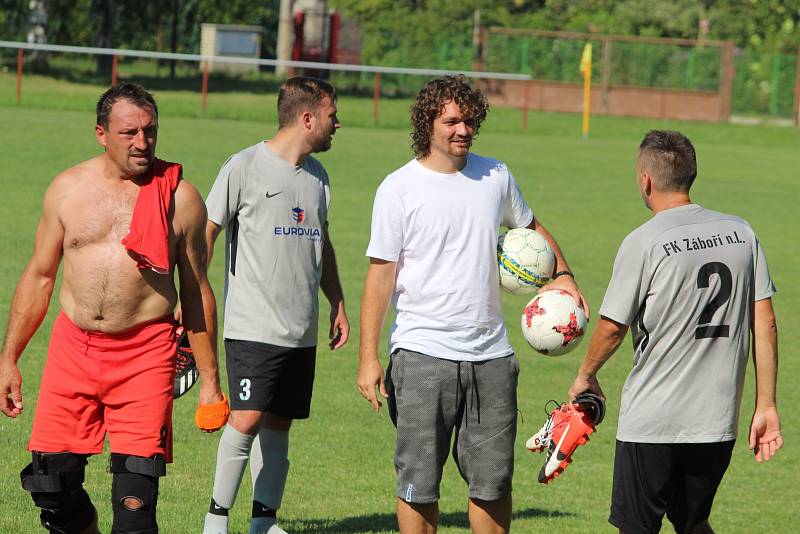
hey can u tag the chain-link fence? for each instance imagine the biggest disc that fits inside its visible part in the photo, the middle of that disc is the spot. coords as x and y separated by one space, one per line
763 84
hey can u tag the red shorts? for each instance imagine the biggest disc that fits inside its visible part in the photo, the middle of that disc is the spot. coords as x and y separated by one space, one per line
95 383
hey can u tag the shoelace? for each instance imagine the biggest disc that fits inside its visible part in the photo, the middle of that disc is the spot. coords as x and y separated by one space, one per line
546 432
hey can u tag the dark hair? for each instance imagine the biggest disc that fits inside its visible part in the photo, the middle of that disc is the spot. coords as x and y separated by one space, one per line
301 93
431 101
123 91
670 159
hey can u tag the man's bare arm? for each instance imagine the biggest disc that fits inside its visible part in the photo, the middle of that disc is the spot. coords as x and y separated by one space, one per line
565 282
198 305
378 289
765 428
606 339
339 331
31 299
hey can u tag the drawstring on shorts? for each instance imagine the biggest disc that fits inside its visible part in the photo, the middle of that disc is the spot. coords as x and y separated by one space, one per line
474 392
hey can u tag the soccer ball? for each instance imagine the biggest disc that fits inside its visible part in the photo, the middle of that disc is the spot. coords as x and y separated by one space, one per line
525 261
552 323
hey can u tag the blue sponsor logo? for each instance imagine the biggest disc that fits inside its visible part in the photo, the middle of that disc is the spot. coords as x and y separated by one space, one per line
313 233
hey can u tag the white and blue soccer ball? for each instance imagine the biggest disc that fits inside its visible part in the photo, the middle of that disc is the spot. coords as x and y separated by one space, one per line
525 261
553 323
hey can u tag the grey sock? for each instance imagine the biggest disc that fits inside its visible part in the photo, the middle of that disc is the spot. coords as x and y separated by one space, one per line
232 455
270 468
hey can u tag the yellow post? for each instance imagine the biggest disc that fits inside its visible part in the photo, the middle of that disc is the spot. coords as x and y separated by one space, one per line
586 70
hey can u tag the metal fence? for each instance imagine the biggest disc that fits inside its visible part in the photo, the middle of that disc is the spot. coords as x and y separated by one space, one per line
672 72
76 63
760 84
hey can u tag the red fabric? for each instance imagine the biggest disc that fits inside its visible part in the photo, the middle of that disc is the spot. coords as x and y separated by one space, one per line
148 236
95 383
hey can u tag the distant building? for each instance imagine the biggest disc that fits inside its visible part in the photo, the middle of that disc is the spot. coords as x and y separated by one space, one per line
231 40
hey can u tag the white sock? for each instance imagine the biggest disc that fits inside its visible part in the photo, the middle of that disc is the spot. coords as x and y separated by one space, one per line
215 524
265 525
269 467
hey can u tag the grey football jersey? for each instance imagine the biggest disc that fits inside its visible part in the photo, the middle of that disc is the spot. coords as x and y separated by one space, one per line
275 215
685 282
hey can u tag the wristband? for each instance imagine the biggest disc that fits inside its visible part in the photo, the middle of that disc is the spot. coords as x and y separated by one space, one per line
563 273
212 417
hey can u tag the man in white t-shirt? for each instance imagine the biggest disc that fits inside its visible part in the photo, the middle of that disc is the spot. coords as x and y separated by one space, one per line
694 288
433 255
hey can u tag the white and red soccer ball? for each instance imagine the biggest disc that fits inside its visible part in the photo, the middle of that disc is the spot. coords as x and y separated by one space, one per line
552 323
525 261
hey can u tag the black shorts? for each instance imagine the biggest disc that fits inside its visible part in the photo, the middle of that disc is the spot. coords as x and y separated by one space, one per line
269 378
676 479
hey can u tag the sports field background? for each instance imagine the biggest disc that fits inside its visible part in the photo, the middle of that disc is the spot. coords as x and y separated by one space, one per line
342 476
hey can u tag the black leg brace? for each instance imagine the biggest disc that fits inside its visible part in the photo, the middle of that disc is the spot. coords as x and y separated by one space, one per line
134 493
55 481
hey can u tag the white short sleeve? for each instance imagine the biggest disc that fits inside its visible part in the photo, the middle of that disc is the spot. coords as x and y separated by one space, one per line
624 294
764 288
386 234
516 213
223 199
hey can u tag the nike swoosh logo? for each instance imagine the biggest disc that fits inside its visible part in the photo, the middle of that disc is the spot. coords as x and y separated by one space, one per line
274 194
554 461
217 507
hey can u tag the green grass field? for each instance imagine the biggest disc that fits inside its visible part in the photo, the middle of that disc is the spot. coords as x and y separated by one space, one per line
342 476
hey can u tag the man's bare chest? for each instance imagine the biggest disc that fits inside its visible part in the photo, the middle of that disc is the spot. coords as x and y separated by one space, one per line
97 216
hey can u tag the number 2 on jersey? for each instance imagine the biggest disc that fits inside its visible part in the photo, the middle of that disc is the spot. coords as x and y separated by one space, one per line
705 330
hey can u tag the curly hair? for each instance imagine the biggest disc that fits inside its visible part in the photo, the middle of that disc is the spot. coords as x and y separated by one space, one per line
430 103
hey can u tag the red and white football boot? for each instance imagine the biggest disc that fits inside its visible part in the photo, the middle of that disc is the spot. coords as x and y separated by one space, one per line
567 427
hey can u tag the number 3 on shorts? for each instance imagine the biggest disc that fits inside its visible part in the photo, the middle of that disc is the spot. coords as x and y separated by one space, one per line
245 394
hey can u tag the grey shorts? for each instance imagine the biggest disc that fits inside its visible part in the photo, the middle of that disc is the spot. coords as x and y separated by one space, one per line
430 399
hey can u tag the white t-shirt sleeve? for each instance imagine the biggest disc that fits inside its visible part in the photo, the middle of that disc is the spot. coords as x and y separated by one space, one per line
624 295
764 288
516 213
223 199
386 234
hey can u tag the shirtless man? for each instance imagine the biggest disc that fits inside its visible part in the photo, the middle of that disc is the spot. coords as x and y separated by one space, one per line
110 364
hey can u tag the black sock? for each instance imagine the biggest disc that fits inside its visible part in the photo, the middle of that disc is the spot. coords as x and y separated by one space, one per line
259 510
216 509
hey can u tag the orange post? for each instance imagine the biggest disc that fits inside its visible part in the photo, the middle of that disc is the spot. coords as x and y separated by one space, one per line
376 97
114 62
205 84
19 74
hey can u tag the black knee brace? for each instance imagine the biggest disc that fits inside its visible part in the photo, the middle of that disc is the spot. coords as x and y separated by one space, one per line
55 481
134 493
